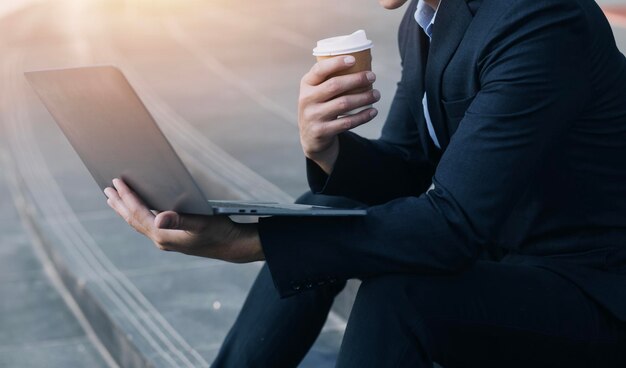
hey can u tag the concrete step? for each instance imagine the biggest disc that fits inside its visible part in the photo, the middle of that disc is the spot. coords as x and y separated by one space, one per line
40 325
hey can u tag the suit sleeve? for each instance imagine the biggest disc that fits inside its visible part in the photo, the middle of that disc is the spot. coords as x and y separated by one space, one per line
364 168
533 85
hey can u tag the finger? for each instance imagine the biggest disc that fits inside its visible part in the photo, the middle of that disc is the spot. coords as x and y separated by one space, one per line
175 221
115 202
168 239
325 68
341 84
348 122
131 199
140 216
343 104
173 232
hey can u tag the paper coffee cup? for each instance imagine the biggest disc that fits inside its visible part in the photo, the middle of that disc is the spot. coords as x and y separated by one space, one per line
355 44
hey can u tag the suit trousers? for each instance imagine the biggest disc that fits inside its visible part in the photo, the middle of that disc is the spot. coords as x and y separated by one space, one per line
494 314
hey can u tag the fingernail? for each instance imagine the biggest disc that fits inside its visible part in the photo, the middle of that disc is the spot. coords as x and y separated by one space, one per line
349 60
371 76
376 94
373 113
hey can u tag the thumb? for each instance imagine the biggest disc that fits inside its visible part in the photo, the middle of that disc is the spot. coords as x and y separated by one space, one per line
174 221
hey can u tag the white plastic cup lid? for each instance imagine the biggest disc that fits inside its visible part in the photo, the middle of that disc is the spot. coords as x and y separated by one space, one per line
343 44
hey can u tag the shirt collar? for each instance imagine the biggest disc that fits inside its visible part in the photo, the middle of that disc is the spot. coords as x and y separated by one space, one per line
425 17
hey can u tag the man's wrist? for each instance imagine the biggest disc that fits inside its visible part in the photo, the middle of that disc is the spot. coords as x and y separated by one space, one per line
327 160
250 242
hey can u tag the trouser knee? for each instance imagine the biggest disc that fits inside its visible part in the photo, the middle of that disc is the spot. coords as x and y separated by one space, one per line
383 292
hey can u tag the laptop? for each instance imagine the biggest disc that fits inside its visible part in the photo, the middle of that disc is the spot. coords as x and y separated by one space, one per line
116 137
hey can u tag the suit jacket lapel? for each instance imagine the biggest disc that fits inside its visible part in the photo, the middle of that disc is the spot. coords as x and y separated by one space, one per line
453 18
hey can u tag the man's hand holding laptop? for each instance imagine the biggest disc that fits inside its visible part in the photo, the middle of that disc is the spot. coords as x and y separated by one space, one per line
205 236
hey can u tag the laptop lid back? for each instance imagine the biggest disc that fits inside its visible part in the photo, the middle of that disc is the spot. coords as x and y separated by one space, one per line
116 137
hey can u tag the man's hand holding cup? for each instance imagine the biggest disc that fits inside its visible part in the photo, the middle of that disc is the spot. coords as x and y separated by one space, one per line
335 96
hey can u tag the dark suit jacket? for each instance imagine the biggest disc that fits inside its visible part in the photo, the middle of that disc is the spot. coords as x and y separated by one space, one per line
528 99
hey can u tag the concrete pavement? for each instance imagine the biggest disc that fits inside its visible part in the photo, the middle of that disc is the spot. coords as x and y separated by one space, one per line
40 323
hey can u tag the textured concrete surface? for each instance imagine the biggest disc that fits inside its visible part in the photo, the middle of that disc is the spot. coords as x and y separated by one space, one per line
37 328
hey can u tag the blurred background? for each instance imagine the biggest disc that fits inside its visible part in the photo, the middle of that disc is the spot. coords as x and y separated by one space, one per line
78 288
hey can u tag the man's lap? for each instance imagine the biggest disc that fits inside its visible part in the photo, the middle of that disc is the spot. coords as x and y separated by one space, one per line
493 314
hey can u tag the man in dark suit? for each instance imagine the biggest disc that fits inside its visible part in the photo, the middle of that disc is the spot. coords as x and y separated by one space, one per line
496 226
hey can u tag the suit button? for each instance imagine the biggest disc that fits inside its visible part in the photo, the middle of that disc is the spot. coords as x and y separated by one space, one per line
332 280
309 285
321 282
296 286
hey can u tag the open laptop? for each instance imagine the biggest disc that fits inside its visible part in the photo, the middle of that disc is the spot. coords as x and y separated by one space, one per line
116 137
